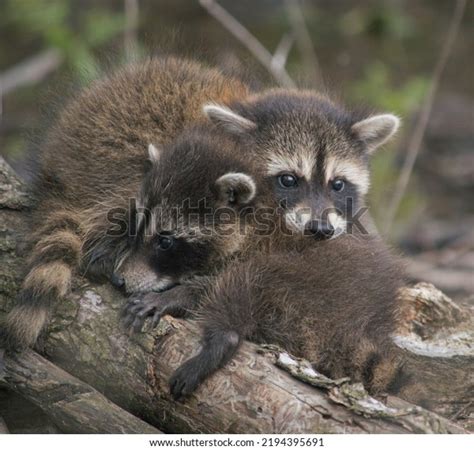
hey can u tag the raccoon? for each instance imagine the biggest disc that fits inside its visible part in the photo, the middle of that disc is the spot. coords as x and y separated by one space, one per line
333 302
198 201
313 151
91 164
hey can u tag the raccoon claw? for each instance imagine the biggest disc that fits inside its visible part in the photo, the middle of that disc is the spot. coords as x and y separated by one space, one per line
136 312
185 380
138 309
156 305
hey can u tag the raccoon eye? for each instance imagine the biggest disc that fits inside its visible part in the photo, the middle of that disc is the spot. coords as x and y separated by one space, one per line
165 242
288 180
338 184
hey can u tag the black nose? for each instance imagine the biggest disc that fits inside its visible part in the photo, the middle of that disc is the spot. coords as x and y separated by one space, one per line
320 230
117 280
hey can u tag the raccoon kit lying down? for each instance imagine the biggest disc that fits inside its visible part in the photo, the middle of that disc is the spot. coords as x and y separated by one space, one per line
92 163
333 303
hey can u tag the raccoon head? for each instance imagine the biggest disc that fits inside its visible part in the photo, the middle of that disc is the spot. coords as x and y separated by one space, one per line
313 153
191 207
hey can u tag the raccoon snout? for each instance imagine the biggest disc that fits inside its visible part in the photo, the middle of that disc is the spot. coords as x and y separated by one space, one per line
320 230
117 280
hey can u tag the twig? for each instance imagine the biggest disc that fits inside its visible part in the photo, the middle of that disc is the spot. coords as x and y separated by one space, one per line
131 27
247 39
304 41
416 138
463 410
282 51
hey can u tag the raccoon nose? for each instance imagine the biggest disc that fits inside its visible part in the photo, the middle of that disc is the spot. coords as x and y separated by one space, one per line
117 280
320 230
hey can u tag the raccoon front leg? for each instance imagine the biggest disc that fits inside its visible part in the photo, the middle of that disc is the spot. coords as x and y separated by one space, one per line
217 350
176 302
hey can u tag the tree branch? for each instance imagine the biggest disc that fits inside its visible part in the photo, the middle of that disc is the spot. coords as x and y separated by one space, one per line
304 41
30 71
416 139
249 40
131 28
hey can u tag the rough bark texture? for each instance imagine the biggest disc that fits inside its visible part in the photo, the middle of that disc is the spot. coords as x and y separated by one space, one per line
73 405
439 335
250 395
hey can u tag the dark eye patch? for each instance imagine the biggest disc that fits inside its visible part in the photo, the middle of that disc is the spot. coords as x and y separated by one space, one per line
288 196
183 257
346 198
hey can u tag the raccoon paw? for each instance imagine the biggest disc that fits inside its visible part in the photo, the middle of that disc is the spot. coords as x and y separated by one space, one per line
186 379
138 308
156 305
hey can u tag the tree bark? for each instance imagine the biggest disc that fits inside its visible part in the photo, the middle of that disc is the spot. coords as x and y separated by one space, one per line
249 395
73 405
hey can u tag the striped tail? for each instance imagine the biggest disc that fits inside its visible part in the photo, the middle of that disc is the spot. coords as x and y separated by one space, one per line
54 258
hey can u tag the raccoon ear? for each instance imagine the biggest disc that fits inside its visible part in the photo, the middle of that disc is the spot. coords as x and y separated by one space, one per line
153 154
376 130
227 119
236 188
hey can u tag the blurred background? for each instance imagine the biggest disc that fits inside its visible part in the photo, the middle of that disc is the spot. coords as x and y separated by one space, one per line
380 54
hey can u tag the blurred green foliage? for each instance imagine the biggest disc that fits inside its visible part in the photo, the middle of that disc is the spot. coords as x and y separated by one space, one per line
378 89
380 21
76 33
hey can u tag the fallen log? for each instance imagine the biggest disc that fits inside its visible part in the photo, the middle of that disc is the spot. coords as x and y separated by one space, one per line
73 405
439 337
250 395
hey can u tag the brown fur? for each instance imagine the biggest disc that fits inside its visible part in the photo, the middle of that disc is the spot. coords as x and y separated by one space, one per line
93 161
333 303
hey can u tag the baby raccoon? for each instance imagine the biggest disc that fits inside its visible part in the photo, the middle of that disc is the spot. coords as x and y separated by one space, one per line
332 302
91 165
196 202
314 153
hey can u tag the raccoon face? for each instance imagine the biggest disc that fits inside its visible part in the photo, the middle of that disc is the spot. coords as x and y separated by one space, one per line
189 212
313 153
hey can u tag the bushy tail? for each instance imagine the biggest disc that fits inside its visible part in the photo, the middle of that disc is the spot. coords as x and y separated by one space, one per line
384 369
53 259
